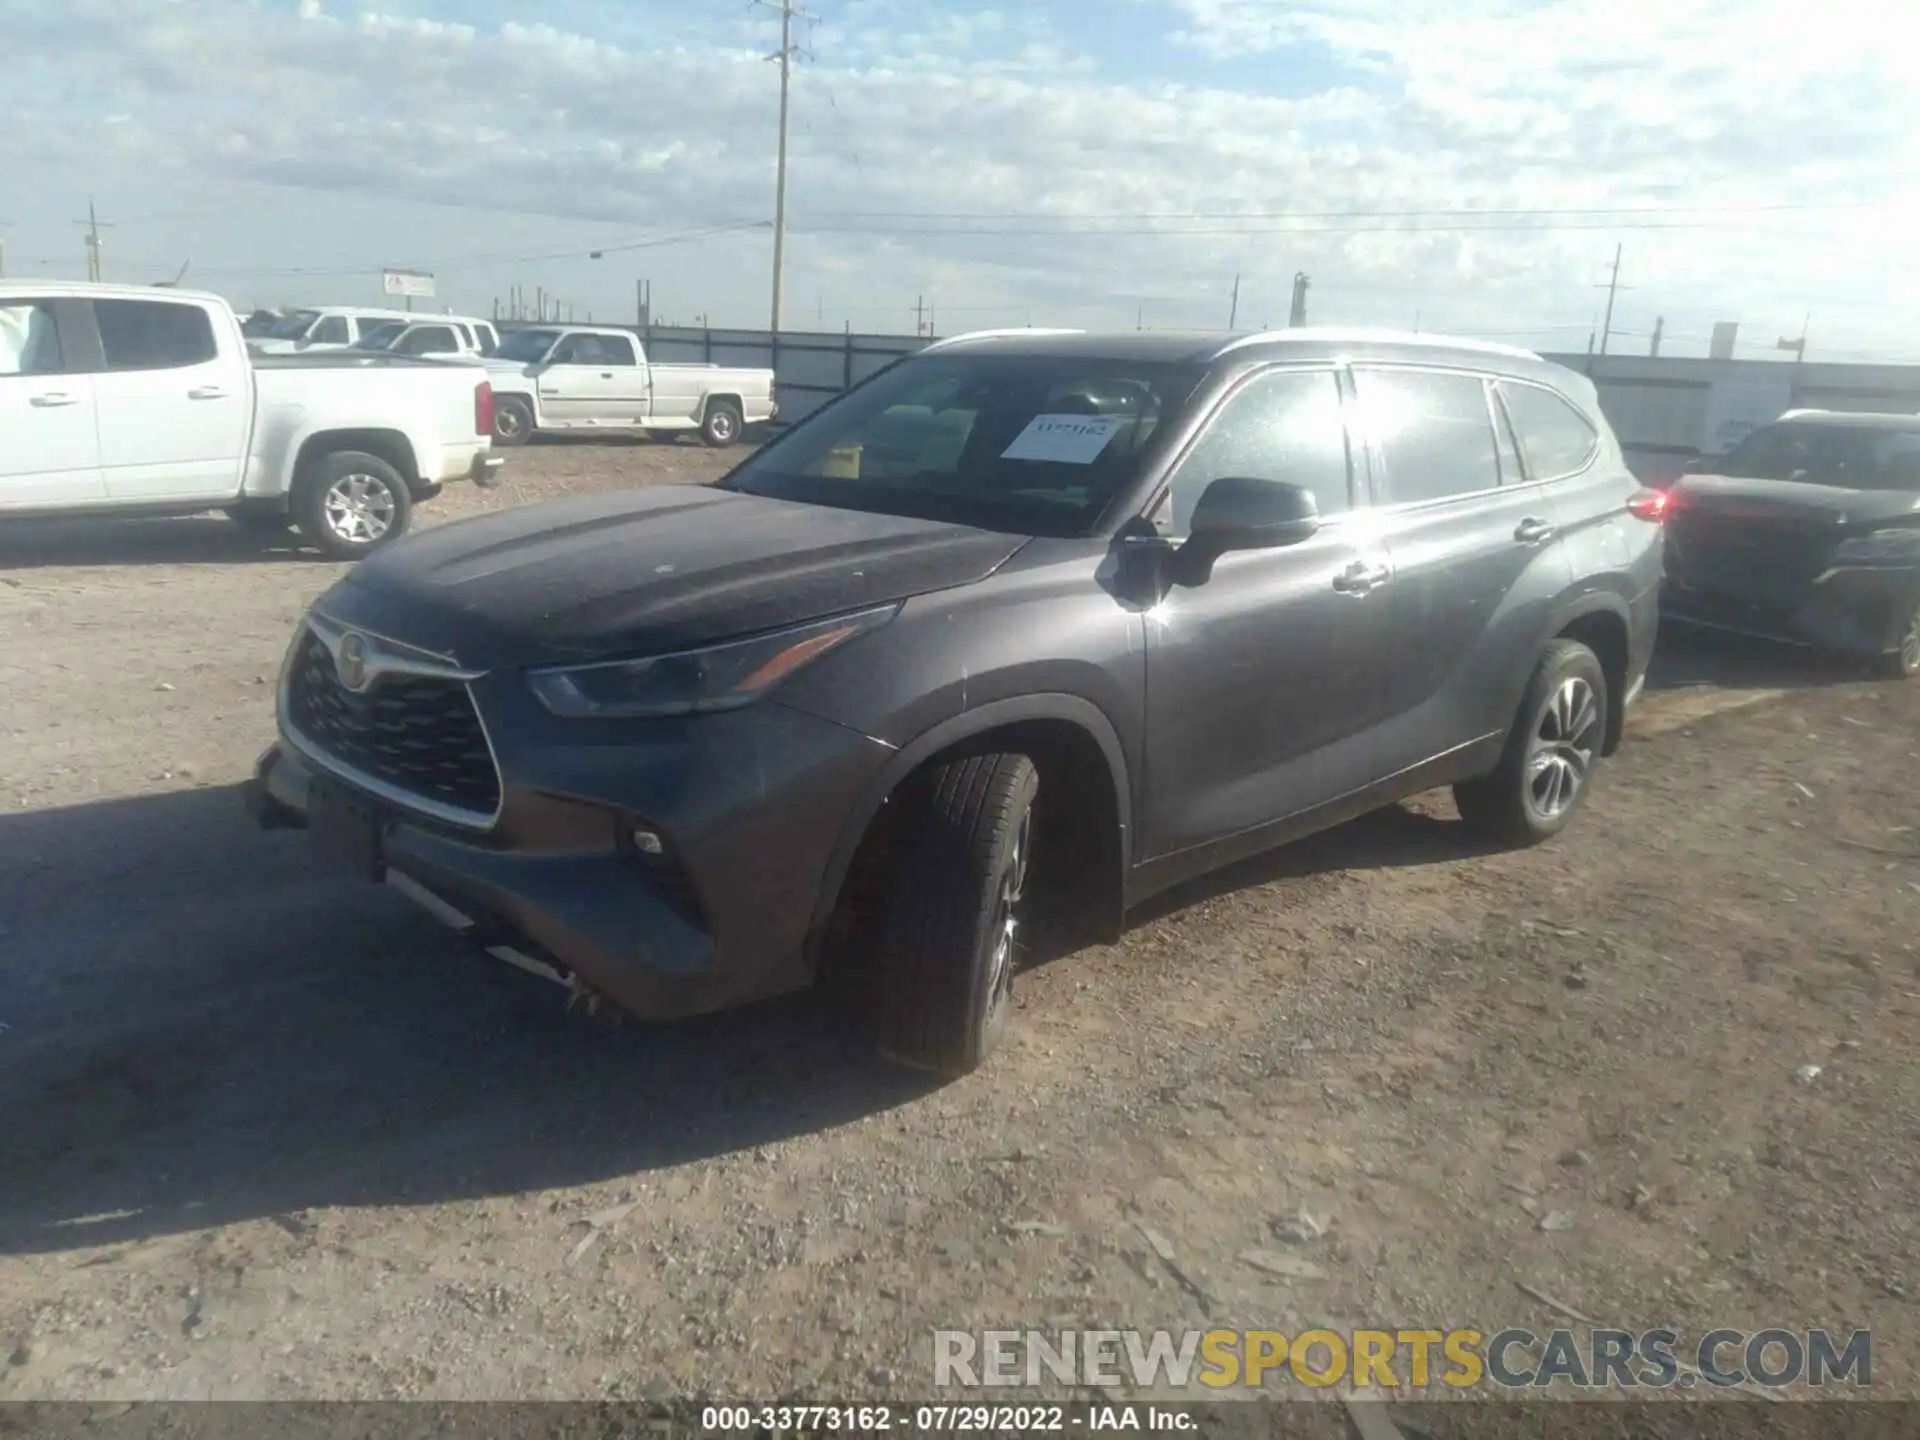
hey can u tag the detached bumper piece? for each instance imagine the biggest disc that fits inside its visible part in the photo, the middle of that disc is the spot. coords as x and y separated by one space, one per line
627 936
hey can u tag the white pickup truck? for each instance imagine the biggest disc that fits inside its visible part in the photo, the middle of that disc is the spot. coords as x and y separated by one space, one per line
576 377
128 400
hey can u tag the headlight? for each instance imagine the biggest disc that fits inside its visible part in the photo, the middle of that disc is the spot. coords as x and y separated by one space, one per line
693 682
1880 547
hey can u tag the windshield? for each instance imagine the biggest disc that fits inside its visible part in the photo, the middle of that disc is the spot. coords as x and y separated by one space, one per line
1037 445
381 336
1845 457
527 346
293 326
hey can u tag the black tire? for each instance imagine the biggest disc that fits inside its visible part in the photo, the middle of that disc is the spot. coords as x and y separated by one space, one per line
947 949
381 492
512 421
260 521
1903 661
1519 804
722 424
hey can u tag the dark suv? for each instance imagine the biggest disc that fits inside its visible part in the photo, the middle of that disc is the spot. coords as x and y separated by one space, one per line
1026 619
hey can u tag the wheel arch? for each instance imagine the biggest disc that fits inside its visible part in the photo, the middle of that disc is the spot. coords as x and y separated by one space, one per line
1074 744
392 446
711 397
1601 623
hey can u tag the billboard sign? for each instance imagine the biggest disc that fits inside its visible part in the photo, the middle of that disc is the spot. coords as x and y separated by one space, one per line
414 284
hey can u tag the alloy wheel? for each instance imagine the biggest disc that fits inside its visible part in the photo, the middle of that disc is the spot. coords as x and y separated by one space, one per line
1565 740
1910 645
1006 920
359 509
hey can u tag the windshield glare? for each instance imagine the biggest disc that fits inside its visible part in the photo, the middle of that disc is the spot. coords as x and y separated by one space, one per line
1032 444
527 346
1844 457
293 326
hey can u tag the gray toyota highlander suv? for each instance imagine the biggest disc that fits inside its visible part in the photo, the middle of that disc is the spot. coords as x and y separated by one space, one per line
1026 620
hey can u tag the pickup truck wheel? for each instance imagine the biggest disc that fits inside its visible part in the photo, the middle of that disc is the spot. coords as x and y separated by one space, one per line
949 941
512 420
350 503
1546 770
722 424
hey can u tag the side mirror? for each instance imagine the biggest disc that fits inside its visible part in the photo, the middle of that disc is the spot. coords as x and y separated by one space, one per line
1239 513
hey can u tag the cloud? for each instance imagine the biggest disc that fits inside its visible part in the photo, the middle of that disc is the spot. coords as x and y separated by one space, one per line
920 110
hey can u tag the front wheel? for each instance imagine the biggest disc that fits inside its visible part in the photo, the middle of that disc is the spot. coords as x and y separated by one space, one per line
350 503
512 420
722 424
950 937
1547 767
1903 661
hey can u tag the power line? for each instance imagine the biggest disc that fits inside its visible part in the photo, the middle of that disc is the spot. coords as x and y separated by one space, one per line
1538 210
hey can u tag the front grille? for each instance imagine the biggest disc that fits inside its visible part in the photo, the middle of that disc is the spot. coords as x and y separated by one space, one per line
416 733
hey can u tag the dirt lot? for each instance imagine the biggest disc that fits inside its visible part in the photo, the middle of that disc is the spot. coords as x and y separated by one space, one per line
264 1134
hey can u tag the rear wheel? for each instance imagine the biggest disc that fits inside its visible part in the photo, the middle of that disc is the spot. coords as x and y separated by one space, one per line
350 503
950 937
722 424
512 420
1547 767
1903 661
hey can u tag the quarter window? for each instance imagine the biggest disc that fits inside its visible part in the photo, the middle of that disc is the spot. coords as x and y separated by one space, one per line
1434 430
1286 426
333 330
153 334
1558 439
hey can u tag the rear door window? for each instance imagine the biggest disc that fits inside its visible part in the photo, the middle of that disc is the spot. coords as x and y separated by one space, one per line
154 334
1434 429
333 330
428 340
1556 438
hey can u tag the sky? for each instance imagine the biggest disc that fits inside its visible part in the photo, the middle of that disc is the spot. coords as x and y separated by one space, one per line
1466 166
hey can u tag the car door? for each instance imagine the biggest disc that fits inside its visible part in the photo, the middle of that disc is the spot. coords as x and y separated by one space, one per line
1477 561
173 408
49 439
583 381
1265 681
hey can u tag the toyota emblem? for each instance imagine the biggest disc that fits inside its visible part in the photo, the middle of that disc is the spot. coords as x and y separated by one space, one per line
352 662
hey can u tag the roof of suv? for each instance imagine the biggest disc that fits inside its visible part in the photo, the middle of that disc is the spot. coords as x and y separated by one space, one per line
1205 347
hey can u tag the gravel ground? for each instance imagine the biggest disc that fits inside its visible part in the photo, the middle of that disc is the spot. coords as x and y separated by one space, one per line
265 1134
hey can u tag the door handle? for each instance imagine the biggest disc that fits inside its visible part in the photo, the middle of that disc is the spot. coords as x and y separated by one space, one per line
606 374
1360 577
48 399
207 392
1534 532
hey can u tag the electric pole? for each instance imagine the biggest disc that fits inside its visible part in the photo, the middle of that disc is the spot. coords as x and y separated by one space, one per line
784 55
1659 328
1297 313
1612 287
93 224
1233 315
3 249
920 315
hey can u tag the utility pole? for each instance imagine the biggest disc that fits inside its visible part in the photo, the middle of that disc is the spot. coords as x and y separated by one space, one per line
3 249
1297 313
920 315
1233 315
93 224
784 55
1659 328
1612 287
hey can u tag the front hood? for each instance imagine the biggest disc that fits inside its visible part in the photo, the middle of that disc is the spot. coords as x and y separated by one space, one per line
647 572
1818 507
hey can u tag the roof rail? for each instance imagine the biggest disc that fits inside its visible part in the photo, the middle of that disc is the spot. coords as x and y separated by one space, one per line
1337 334
993 334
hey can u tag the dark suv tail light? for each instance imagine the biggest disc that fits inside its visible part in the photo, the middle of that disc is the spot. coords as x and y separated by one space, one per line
483 408
1654 505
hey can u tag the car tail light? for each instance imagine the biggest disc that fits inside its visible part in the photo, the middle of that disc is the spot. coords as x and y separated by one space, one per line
1655 505
483 408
